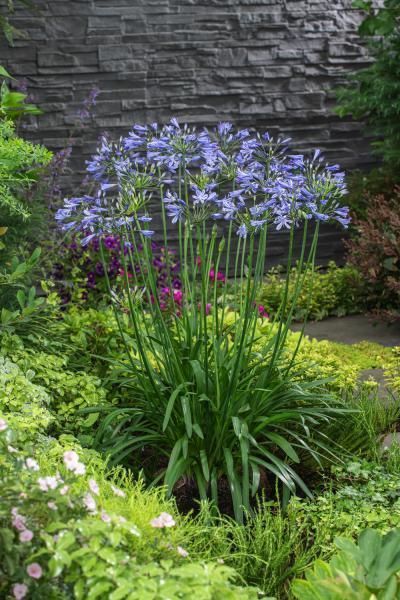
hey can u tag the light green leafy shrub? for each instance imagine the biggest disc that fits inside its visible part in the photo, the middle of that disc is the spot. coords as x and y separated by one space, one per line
364 571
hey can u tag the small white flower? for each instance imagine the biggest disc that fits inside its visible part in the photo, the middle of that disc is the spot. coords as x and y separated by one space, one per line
52 505
182 552
11 449
47 483
105 517
71 460
3 425
32 464
89 502
63 490
118 492
94 487
164 520
80 469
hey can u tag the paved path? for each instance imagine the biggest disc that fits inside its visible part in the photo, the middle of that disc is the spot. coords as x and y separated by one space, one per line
352 329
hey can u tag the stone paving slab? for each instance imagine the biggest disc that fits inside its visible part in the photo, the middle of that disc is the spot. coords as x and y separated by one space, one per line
351 330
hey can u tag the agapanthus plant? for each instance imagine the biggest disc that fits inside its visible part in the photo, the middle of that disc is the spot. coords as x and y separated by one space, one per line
210 394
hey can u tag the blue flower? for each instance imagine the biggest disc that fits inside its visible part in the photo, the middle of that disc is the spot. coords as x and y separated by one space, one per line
242 231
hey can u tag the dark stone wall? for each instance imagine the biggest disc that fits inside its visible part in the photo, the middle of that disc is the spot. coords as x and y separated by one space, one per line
261 63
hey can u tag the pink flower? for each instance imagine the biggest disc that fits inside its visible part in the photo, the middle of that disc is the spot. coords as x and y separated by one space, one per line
34 570
94 487
118 492
19 591
64 490
164 520
25 536
89 502
32 464
52 505
182 552
18 522
105 517
3 425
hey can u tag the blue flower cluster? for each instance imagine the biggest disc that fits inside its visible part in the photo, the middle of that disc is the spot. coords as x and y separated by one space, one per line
234 175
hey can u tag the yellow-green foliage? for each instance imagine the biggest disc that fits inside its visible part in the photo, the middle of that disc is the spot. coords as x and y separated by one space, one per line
392 368
338 291
340 363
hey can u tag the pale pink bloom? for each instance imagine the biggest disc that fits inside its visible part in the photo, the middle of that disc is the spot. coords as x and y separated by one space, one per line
14 511
23 495
32 464
105 517
18 522
64 490
34 570
122 519
118 492
80 469
89 502
52 505
11 449
182 552
3 425
94 487
220 561
71 459
26 536
164 520
19 591
47 483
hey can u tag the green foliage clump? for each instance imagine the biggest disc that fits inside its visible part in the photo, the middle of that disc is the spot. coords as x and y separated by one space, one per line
362 571
373 93
337 292
361 494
